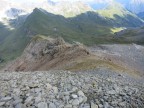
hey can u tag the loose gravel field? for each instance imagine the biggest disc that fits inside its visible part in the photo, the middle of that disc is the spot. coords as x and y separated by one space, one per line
100 88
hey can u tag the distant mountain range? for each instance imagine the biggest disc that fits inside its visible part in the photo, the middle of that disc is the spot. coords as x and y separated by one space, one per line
141 15
134 6
65 7
74 21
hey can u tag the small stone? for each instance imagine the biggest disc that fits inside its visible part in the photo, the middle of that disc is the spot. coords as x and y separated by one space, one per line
2 103
5 99
37 90
42 105
100 106
112 92
80 99
122 104
74 89
86 106
66 98
122 94
18 105
114 103
29 99
66 93
106 105
52 105
38 99
93 105
33 85
80 93
68 106
55 89
75 102
49 86
17 102
84 99
25 88
74 96
16 91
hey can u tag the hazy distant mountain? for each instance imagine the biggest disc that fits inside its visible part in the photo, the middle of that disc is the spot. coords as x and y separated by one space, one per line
135 6
141 15
120 16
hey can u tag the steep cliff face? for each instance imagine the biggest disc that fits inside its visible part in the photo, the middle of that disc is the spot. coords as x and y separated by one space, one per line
45 53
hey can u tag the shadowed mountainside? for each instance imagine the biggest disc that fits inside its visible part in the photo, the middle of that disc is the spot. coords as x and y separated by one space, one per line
134 35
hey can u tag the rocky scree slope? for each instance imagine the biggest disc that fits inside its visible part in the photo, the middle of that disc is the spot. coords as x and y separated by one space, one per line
64 89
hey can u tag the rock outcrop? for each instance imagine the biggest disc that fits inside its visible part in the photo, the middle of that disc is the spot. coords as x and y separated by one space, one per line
44 53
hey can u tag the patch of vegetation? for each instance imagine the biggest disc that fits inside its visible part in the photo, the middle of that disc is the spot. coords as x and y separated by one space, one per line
92 63
87 64
114 30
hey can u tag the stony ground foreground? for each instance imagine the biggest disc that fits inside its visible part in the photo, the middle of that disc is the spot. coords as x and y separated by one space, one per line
62 89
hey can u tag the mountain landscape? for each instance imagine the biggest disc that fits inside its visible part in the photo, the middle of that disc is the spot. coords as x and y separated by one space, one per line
72 54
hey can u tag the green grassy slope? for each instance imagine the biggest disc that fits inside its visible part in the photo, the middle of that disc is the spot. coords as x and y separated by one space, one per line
119 16
81 28
4 32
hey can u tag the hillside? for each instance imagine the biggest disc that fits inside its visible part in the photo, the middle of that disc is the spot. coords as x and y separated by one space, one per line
134 35
52 69
4 32
45 53
42 22
120 16
88 28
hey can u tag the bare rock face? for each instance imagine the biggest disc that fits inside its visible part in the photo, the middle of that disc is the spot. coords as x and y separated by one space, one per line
44 53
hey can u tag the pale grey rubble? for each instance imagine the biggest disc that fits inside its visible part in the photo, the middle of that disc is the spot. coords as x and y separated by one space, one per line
130 55
64 89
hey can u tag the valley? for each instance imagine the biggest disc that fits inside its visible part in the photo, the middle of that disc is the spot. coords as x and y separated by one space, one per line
71 54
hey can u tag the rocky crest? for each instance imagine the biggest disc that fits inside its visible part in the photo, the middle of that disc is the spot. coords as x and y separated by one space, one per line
45 53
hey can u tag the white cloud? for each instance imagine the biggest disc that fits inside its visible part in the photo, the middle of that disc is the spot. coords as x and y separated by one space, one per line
98 1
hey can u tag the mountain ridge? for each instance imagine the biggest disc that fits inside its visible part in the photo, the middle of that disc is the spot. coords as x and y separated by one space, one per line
88 28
